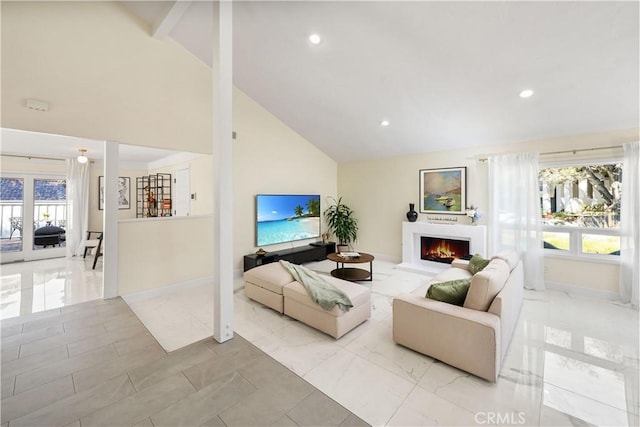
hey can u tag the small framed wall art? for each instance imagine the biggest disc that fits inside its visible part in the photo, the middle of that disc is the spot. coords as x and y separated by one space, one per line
443 191
124 192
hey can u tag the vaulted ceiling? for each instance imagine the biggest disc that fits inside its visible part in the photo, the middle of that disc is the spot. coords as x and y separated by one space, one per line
444 75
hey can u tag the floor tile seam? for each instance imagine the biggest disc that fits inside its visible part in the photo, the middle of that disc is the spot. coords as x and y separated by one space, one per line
133 397
585 358
309 396
11 326
30 339
345 405
39 366
401 404
59 320
47 315
288 369
143 325
448 400
69 339
588 398
13 388
111 338
54 402
540 405
116 364
190 382
382 367
162 360
57 377
135 389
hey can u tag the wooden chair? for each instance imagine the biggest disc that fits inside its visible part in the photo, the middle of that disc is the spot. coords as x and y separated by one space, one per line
93 243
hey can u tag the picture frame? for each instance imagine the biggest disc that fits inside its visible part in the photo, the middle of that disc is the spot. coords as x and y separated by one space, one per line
124 192
443 191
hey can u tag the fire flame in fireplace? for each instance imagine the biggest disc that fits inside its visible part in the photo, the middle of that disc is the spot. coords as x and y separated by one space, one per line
443 250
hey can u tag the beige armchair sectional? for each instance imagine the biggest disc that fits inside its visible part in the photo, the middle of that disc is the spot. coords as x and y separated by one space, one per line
272 285
474 337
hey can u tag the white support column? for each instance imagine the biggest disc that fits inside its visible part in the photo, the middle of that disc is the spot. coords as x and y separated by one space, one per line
110 221
223 171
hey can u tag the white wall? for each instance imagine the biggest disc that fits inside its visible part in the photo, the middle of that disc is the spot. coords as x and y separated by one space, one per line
103 75
269 157
380 192
200 181
95 215
157 252
106 79
16 164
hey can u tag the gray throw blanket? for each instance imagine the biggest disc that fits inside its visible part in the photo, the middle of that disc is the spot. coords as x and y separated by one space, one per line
320 291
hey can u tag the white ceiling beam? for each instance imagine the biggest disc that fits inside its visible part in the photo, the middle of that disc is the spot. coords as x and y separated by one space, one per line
163 27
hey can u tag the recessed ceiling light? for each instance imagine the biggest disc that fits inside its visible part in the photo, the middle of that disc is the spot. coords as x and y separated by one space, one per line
526 93
315 39
384 123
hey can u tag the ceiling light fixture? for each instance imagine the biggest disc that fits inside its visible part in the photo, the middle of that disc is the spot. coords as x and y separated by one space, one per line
385 123
315 39
82 158
526 93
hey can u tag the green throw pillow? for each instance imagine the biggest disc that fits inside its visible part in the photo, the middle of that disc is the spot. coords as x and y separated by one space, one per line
477 263
452 292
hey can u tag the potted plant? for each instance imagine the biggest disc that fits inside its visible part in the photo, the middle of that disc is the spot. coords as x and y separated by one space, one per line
342 223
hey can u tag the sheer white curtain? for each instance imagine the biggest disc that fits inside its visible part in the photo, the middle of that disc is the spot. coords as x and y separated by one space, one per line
77 206
630 229
514 212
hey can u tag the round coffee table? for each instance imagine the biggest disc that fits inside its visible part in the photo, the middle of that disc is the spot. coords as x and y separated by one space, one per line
350 273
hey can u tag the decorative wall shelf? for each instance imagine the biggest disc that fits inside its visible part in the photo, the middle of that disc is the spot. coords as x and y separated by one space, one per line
153 195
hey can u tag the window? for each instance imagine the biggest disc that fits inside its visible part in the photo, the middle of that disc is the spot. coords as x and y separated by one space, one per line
580 206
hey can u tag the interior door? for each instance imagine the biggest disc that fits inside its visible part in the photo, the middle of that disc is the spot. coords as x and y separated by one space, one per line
182 193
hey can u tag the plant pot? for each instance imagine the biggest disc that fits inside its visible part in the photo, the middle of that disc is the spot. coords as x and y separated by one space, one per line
342 248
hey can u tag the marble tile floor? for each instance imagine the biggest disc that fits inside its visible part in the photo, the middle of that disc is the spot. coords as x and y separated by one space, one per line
572 360
96 364
35 286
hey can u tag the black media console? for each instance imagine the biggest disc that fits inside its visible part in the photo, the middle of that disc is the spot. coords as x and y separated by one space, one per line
312 252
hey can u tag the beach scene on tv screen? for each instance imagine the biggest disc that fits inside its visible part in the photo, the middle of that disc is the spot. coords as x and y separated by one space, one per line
284 218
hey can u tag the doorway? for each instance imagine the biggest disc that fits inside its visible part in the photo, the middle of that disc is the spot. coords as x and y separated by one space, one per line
182 192
33 214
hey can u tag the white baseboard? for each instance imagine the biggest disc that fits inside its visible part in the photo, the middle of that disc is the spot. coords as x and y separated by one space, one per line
168 289
390 258
577 290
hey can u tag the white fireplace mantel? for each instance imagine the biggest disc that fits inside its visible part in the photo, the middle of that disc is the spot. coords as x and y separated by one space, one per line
413 231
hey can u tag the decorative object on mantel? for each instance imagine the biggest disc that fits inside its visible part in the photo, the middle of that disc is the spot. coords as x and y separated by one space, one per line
442 219
474 213
261 252
412 215
443 190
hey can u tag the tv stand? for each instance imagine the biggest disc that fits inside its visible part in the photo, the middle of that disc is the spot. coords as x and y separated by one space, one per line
316 251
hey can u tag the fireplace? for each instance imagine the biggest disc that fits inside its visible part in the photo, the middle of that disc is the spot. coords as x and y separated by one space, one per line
473 236
442 250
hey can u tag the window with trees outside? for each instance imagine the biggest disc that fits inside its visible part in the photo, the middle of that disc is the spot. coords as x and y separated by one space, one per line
581 209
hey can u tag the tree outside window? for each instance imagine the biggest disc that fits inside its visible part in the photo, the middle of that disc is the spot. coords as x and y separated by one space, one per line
578 205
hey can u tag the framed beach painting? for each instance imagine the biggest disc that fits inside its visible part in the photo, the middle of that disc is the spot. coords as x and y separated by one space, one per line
124 192
443 191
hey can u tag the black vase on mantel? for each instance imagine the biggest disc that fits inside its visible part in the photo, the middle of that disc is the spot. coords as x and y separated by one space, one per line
412 215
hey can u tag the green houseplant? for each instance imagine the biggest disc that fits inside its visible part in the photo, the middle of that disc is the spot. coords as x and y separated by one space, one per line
341 222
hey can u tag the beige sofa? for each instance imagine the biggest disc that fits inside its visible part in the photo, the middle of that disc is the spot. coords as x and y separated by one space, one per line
474 337
272 285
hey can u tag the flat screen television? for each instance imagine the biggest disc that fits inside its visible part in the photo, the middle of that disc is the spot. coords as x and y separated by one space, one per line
286 217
